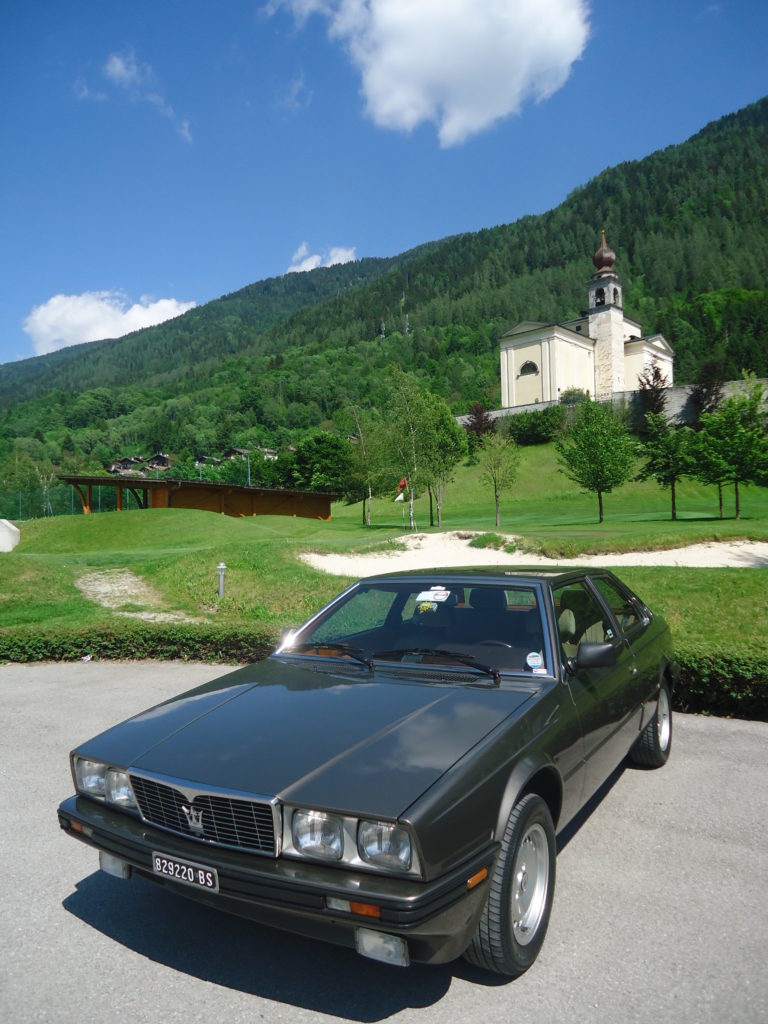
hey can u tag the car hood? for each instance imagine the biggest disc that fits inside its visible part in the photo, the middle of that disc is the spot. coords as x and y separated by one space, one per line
350 743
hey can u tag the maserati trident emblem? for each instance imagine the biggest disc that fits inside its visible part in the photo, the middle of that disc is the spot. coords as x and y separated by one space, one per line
194 818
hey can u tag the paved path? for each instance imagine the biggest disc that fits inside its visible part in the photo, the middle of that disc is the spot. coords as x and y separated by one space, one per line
660 915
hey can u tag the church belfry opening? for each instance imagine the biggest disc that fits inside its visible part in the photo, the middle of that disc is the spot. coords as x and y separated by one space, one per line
604 285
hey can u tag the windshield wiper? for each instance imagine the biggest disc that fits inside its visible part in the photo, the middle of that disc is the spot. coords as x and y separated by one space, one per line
356 653
465 659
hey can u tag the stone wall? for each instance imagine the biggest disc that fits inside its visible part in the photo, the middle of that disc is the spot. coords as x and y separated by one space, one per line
679 408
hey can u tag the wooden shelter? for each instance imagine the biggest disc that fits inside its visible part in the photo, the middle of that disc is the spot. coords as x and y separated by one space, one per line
228 499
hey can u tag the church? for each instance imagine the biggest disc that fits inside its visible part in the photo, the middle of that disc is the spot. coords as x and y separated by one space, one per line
601 352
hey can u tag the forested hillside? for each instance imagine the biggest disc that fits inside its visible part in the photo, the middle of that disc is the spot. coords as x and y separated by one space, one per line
199 338
273 361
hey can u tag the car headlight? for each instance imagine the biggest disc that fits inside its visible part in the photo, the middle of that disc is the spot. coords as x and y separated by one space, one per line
316 834
90 777
384 844
117 789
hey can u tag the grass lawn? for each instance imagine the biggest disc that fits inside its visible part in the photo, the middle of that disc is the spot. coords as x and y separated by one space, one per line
268 587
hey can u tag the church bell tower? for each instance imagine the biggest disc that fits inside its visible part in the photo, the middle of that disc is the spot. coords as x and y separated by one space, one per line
606 322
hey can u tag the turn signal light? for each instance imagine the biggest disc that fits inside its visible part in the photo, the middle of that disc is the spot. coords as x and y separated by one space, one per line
353 907
365 909
477 879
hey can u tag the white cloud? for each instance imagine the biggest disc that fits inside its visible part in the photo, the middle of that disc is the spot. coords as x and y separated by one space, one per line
304 260
340 254
84 93
296 96
161 105
138 82
71 319
125 71
457 63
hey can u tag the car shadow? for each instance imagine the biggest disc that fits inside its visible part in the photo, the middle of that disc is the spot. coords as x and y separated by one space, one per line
238 954
566 834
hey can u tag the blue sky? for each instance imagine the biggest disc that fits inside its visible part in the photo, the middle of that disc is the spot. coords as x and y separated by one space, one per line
157 155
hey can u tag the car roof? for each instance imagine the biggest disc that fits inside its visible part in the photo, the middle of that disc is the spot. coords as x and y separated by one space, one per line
500 574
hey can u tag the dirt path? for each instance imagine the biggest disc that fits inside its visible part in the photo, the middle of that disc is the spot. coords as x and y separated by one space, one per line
124 593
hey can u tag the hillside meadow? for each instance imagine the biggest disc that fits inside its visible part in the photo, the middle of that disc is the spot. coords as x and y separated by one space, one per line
719 616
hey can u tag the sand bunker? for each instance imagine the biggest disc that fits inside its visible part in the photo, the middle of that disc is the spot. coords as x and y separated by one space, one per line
424 551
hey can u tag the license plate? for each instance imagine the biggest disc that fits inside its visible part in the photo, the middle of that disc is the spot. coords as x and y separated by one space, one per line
185 871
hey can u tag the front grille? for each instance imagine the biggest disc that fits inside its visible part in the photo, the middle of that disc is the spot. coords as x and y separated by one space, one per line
209 817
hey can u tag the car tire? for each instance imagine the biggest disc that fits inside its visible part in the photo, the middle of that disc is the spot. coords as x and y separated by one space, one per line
654 744
514 921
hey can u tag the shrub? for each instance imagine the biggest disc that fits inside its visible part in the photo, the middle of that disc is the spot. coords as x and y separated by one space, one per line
726 683
493 540
135 642
528 428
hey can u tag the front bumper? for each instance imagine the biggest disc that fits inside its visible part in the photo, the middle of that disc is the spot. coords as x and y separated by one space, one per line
437 919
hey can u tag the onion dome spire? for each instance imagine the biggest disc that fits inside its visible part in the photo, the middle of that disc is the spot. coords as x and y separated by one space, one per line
605 257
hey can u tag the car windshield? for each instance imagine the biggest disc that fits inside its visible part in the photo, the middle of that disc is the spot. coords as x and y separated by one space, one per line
493 628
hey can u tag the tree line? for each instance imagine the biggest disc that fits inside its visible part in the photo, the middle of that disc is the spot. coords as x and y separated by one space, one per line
412 445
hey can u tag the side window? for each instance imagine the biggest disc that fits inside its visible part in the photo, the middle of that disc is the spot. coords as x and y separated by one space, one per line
579 618
622 607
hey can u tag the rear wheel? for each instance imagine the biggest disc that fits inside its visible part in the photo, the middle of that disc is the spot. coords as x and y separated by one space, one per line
514 922
654 744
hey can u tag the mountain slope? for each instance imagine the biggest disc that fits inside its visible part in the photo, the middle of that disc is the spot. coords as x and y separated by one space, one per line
689 224
212 331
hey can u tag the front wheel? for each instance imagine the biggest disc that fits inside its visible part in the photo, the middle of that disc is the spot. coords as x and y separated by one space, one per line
514 922
654 744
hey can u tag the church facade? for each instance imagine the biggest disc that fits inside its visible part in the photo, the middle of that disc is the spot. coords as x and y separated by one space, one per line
601 352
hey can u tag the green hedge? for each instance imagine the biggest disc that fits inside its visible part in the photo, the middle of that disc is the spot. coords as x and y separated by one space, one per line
133 642
730 684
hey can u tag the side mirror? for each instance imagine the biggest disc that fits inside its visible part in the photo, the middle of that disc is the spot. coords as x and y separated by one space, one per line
591 655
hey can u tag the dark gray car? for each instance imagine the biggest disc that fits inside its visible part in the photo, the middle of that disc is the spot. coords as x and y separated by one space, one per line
392 777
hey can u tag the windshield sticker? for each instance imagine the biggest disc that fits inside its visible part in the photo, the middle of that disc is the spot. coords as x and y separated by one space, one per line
534 660
436 594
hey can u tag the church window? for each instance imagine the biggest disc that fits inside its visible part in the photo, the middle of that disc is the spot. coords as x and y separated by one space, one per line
528 368
600 296
616 296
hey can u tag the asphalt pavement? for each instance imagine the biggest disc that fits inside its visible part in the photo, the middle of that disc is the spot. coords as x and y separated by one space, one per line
660 913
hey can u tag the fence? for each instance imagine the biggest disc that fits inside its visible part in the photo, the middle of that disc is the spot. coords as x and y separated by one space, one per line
61 500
